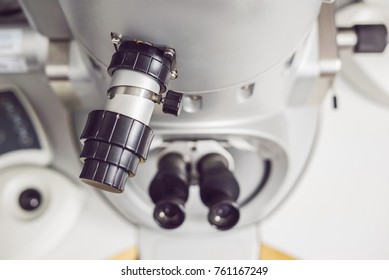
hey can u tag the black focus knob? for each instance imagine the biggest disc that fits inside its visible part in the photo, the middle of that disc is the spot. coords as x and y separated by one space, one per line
114 145
219 190
172 103
169 191
372 38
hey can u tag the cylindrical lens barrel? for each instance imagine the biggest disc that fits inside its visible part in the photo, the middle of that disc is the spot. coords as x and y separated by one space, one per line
219 190
169 191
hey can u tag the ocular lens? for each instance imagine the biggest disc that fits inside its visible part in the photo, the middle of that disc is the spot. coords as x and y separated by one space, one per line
169 215
30 200
224 215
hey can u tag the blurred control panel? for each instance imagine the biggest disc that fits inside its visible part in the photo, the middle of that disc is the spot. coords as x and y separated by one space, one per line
23 138
16 129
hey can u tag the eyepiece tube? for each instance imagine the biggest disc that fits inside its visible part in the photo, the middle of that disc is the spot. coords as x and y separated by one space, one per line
117 138
169 190
219 190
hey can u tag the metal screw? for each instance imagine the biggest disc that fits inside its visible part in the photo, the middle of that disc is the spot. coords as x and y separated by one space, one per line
142 42
110 94
116 38
156 98
173 74
170 52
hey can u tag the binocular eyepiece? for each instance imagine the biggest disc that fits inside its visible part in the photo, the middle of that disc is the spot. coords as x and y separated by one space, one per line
219 191
169 190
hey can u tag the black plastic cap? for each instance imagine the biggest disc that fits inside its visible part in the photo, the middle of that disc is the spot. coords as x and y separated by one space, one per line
141 57
114 145
372 38
172 103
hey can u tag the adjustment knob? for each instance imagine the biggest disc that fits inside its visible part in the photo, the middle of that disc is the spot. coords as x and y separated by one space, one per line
363 38
172 103
371 38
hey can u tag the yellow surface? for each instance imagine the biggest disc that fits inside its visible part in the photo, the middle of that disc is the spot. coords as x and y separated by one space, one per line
267 253
131 254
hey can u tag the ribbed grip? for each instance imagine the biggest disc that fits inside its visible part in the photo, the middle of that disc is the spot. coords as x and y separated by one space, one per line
142 58
114 145
172 103
119 130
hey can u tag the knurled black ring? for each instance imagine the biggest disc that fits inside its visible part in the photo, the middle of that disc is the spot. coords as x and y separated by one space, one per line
103 175
120 130
110 153
142 58
113 148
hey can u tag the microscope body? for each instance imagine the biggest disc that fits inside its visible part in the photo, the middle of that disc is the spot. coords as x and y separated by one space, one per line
245 81
248 72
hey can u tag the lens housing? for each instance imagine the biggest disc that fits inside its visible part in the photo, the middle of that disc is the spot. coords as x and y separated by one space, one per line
169 190
219 190
117 139
114 145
